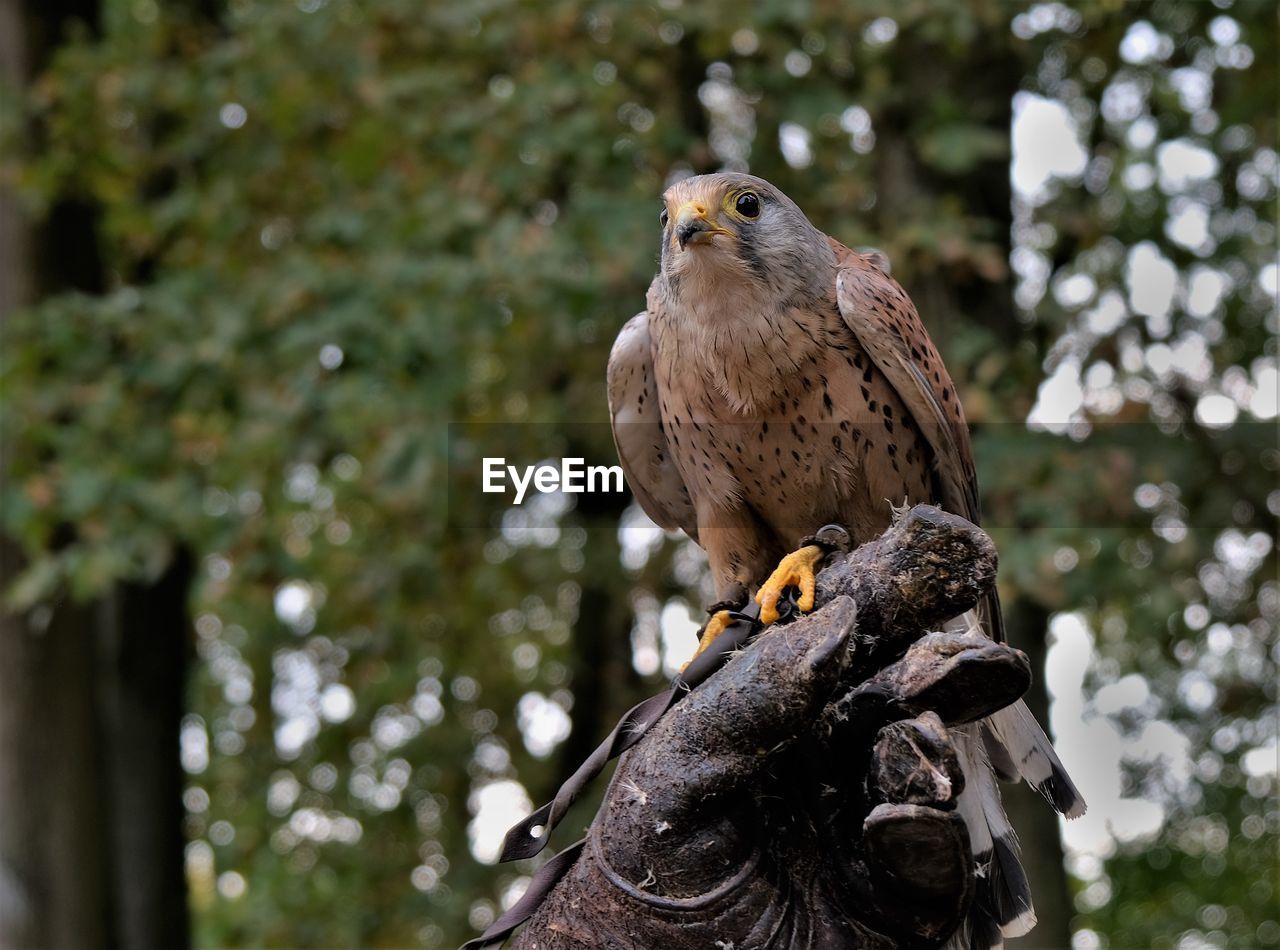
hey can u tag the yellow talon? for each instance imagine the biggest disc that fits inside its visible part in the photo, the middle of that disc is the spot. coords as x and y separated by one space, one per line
715 626
797 569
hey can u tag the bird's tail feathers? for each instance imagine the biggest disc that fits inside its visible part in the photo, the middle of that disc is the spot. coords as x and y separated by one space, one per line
1010 744
1018 749
1016 746
1002 904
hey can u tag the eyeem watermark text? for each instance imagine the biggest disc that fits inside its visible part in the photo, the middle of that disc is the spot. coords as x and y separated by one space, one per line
573 476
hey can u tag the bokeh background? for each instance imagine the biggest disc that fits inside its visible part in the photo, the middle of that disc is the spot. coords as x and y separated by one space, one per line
274 671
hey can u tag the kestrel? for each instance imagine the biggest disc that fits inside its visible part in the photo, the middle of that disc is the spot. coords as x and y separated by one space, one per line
779 381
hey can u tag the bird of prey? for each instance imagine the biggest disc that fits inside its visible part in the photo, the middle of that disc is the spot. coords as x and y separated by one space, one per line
779 381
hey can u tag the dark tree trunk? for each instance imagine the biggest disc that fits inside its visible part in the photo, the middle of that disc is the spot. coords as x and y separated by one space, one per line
91 849
52 862
948 297
1036 823
143 653
52 880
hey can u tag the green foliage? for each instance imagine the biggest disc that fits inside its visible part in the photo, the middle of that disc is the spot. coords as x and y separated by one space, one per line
346 240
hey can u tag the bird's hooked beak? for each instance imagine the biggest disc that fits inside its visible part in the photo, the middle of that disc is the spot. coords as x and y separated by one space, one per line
694 226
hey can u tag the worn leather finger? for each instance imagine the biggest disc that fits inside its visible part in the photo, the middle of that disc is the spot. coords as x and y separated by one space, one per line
961 677
928 567
921 871
914 762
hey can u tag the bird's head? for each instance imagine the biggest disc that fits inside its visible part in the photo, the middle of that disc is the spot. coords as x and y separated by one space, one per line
739 227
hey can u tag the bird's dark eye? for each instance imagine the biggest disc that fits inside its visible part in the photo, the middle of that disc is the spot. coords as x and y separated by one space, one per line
748 205
664 217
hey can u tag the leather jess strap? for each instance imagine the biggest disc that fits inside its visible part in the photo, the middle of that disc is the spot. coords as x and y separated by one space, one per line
530 836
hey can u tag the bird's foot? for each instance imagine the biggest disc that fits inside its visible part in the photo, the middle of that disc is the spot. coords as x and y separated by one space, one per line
721 617
714 627
799 570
